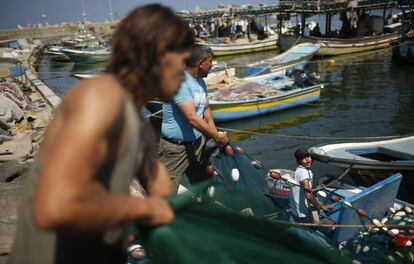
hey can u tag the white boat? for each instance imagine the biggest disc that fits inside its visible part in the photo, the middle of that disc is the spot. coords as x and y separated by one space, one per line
297 55
387 155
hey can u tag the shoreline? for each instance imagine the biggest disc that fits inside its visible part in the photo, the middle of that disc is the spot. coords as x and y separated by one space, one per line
29 105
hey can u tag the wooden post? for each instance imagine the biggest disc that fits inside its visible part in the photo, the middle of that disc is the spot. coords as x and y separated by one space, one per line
302 30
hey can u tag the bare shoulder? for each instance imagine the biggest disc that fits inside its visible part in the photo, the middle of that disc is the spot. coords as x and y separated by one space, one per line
98 100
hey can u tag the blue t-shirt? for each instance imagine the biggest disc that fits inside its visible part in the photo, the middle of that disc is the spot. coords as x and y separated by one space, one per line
298 202
174 124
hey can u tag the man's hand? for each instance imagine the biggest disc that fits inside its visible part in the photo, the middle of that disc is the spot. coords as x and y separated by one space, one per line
159 212
326 207
222 139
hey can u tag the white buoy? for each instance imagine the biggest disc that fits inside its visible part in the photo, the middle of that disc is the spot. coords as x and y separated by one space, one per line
402 223
376 222
397 218
365 249
385 229
395 231
408 210
347 204
400 213
392 210
210 191
358 249
409 243
322 194
384 220
235 174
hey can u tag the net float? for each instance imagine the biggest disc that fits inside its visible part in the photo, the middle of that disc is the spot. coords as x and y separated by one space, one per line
235 174
322 194
401 241
376 222
229 150
257 164
335 198
362 212
275 175
400 213
395 231
210 169
210 191
240 149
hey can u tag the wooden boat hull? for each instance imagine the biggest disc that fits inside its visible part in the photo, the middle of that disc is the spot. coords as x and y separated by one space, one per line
336 46
234 49
228 111
386 155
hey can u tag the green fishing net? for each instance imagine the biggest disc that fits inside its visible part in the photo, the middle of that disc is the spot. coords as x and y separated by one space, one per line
232 220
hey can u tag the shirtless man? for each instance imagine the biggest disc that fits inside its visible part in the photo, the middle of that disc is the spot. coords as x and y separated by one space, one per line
77 206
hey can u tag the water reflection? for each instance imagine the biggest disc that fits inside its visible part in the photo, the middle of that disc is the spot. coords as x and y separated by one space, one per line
270 123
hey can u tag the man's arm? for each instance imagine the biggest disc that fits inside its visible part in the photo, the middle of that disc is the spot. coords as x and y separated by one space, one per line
309 196
208 117
67 196
187 108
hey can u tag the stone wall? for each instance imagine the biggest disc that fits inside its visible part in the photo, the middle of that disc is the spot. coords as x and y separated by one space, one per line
50 31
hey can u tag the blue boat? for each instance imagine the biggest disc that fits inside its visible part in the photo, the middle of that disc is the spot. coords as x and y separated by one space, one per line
298 55
377 201
263 94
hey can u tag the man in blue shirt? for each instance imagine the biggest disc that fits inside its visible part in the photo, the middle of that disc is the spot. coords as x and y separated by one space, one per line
187 121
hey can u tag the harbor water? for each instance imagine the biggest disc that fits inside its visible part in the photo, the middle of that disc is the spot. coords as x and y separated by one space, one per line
365 95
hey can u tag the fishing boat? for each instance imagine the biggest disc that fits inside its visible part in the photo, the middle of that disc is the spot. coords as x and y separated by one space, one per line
355 211
394 155
87 56
357 208
360 31
243 46
297 55
259 95
340 46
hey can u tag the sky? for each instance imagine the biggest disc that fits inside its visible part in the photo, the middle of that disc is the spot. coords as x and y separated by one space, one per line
24 12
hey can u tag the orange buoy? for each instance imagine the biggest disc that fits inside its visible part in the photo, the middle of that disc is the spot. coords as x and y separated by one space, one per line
275 175
362 212
229 150
335 198
210 169
240 149
401 241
